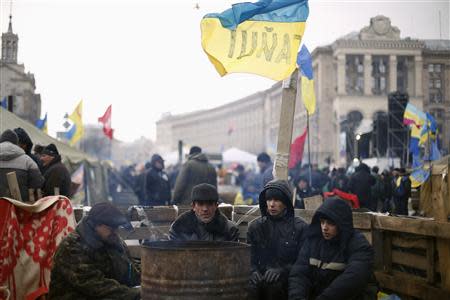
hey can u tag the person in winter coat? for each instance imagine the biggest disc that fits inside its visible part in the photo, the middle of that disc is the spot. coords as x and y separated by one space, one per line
265 169
26 144
157 183
14 159
303 190
377 191
401 191
204 222
195 171
275 239
336 261
360 184
93 262
55 172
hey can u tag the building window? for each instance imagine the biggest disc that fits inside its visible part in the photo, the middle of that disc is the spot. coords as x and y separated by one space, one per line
380 71
354 74
405 73
436 89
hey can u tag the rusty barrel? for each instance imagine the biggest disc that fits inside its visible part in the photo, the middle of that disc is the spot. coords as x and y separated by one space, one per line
197 270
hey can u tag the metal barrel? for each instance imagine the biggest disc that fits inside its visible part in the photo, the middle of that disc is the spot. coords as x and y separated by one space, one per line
197 270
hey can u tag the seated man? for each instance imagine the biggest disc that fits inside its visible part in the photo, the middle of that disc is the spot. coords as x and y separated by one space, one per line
336 261
275 238
93 262
204 222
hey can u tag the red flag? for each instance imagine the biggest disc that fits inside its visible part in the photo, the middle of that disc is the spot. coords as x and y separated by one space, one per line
297 150
106 121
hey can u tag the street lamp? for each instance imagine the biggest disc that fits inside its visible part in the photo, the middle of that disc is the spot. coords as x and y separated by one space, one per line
357 138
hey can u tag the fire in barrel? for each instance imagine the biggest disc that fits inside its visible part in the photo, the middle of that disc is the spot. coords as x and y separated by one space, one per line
195 270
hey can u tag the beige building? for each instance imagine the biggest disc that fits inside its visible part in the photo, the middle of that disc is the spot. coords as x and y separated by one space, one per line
353 77
17 86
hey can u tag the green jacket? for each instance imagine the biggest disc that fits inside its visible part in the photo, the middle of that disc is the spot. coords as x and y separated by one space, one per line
195 171
84 267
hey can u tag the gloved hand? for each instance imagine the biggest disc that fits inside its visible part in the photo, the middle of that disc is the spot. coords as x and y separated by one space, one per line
272 275
256 278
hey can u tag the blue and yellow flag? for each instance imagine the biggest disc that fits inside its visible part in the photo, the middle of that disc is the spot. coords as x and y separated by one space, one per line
42 124
4 103
260 38
304 61
75 133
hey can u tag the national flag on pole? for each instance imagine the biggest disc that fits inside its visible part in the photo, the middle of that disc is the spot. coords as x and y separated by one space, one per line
297 148
42 124
413 116
75 133
106 121
4 103
260 38
428 130
304 61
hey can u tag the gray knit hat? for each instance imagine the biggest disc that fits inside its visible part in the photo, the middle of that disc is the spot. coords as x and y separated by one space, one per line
9 136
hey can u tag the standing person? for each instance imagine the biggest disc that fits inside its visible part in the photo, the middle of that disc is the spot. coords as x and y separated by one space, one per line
56 174
265 168
360 184
204 222
336 261
401 191
195 171
14 159
303 190
377 191
275 239
157 183
93 262
26 144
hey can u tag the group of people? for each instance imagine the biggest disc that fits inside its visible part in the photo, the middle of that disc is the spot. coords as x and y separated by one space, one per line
42 169
327 259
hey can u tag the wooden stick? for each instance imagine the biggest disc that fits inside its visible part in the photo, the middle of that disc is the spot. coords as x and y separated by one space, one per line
31 195
286 123
39 194
56 189
13 186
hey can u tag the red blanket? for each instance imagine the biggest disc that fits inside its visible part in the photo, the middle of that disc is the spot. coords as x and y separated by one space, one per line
30 235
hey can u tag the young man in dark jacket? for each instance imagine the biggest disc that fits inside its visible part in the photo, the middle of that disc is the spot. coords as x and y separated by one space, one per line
275 238
204 222
156 183
336 261
93 262
56 174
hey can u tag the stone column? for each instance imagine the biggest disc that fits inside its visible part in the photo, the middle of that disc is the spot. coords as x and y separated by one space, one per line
341 74
418 68
392 73
367 74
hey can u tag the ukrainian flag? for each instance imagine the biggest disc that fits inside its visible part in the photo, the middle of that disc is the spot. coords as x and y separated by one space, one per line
42 124
260 38
304 61
75 133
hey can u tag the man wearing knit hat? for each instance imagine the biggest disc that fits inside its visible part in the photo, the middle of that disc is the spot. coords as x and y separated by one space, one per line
14 159
204 222
275 238
55 172
93 262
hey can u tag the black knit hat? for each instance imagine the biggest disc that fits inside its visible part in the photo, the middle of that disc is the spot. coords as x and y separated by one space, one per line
205 192
195 150
24 138
50 150
107 214
277 194
9 136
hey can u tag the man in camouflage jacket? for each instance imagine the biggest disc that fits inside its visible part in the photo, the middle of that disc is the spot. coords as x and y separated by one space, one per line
93 262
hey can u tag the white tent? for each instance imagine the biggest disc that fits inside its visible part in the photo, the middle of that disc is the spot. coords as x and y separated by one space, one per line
235 155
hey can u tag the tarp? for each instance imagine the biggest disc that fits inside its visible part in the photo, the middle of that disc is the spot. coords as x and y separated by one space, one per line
235 155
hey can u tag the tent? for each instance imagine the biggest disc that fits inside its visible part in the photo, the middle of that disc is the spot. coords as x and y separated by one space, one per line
235 155
95 173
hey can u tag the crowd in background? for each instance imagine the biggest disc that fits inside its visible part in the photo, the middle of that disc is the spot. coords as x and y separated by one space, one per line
370 189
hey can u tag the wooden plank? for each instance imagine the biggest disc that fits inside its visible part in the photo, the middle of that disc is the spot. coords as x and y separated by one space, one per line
305 214
410 285
387 252
244 209
135 251
287 110
410 260
362 220
13 185
415 226
431 261
313 203
244 218
409 241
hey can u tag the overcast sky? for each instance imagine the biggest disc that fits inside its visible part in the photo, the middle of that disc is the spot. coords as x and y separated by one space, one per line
144 56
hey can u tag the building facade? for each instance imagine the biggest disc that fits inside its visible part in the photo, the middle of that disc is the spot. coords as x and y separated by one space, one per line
353 77
17 86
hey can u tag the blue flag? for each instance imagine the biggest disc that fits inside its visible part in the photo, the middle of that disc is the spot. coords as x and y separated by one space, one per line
304 61
4 103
